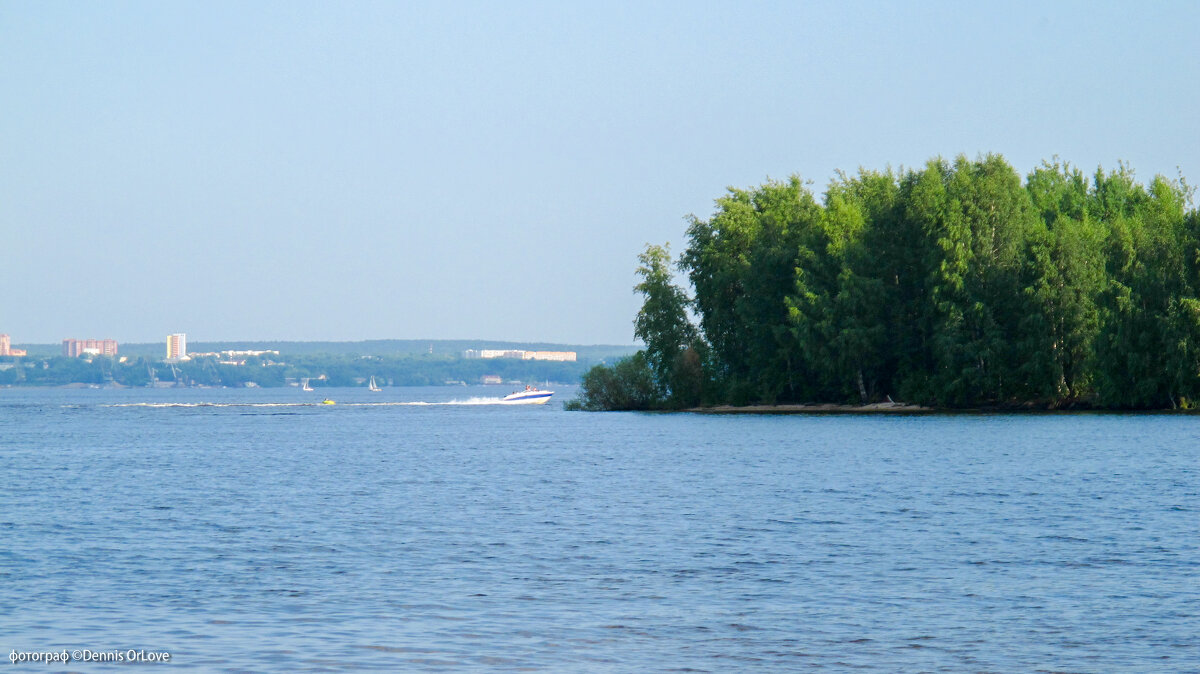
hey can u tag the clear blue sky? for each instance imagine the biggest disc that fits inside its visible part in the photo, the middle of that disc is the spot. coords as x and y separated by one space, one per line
360 170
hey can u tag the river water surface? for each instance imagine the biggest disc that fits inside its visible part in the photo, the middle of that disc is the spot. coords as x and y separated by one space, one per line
253 530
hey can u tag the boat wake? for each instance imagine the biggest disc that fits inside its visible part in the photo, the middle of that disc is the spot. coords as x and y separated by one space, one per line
415 403
468 401
164 405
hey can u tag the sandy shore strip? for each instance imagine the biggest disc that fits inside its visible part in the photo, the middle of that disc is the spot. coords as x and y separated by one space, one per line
814 408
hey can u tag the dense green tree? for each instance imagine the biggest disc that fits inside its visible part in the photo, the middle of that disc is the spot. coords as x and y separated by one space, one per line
759 249
855 345
627 385
1148 340
717 263
1063 276
663 325
977 215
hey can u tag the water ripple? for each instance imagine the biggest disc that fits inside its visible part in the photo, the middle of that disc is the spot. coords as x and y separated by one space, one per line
453 536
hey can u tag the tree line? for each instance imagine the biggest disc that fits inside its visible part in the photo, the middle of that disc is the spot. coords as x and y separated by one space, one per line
322 369
956 285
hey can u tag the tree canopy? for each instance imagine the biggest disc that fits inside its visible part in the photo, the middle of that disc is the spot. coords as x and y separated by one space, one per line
958 284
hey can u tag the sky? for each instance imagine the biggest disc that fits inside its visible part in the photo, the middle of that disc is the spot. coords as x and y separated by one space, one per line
490 170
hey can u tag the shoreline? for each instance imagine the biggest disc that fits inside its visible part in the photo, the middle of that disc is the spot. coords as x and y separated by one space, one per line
893 408
817 408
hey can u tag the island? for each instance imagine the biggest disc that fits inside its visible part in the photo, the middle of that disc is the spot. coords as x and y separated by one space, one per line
956 285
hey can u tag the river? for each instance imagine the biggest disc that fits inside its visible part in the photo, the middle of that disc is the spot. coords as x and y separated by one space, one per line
256 530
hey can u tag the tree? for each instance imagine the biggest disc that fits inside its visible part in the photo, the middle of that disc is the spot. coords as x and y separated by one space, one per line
977 215
627 385
662 324
744 264
1063 276
860 331
1147 346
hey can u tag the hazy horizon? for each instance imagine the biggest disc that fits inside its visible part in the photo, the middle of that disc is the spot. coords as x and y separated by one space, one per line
336 172
191 342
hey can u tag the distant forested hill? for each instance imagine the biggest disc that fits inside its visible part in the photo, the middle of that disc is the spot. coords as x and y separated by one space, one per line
593 353
390 362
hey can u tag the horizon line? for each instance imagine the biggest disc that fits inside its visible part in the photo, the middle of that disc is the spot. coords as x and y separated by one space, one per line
336 341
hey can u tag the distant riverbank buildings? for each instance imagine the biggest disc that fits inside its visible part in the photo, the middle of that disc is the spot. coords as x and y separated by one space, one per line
74 348
561 356
6 347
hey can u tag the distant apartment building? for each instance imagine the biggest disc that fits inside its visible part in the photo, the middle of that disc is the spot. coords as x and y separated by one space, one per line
74 348
231 354
6 347
247 353
177 346
564 356
232 357
492 353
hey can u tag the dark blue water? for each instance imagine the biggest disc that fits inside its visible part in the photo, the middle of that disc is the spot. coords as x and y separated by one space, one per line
448 537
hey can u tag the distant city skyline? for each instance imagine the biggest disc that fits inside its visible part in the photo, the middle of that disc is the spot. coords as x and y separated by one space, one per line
178 343
329 172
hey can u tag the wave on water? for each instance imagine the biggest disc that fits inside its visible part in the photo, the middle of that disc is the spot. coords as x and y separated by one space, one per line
468 401
210 405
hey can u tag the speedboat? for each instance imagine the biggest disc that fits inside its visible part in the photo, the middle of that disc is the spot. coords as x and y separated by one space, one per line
530 396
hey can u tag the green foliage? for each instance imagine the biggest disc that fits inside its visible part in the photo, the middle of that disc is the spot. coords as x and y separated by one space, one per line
627 385
853 349
758 271
1147 345
956 284
977 215
1063 277
663 322
669 372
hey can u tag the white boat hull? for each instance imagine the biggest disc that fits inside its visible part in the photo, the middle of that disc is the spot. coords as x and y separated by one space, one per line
528 398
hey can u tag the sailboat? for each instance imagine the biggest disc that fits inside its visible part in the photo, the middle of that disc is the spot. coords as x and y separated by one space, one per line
372 386
304 385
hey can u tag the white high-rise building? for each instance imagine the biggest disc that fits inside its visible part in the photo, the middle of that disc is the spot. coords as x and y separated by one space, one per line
177 346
